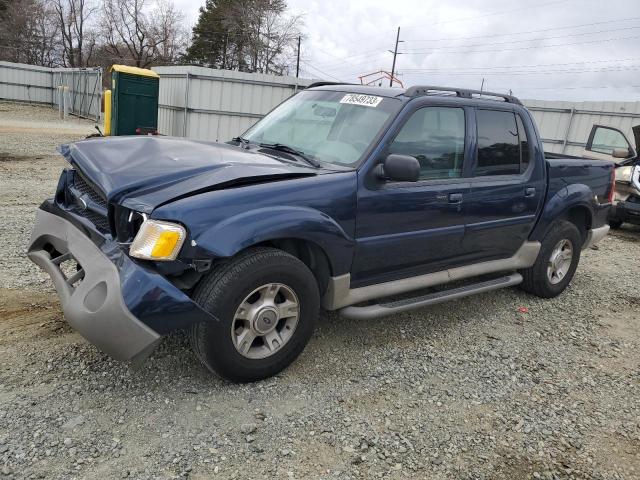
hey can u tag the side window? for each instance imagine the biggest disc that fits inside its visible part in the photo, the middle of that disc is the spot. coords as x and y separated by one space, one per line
435 137
498 143
525 153
605 140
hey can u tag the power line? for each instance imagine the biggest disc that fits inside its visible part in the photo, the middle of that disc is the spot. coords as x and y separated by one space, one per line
319 71
499 12
604 40
367 53
567 27
528 39
538 65
492 14
416 51
547 72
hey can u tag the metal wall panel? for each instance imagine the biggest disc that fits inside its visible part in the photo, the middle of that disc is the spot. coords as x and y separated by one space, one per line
84 92
30 83
209 104
26 83
565 126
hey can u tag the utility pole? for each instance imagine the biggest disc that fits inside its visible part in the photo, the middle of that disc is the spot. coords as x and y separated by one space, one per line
224 52
298 59
395 54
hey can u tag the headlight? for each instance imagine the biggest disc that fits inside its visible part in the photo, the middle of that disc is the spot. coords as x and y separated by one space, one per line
157 240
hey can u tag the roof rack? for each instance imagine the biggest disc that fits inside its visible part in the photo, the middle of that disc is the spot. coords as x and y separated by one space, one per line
322 84
418 90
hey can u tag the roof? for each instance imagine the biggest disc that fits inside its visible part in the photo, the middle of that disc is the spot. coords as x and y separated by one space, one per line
143 72
363 89
415 91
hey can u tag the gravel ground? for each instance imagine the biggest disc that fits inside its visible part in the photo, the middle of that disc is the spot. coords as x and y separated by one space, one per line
480 388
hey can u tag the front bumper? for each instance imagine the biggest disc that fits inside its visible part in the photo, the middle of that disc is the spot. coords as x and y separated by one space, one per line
116 304
628 212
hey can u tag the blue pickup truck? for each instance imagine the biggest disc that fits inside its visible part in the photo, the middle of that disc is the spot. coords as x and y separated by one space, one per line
364 200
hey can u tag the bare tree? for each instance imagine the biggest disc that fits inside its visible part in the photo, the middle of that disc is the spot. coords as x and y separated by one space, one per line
76 40
138 33
27 33
172 38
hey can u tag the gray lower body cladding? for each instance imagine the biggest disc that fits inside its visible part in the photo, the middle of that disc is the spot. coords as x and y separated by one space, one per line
95 307
120 306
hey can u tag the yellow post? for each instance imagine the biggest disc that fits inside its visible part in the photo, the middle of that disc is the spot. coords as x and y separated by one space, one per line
107 113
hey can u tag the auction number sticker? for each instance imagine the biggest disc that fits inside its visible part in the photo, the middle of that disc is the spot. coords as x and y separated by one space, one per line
363 100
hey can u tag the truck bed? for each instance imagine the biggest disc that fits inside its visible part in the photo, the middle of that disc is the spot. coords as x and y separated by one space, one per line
566 170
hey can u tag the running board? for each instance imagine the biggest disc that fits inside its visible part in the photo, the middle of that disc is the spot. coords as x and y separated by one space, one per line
390 308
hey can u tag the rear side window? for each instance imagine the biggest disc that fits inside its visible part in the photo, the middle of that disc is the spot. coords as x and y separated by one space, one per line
498 143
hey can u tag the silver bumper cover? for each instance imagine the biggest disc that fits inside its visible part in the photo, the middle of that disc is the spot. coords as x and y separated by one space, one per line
92 304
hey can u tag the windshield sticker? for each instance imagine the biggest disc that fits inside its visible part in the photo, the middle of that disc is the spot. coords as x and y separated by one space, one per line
363 100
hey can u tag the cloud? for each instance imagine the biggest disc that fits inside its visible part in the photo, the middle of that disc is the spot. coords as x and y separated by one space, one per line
551 49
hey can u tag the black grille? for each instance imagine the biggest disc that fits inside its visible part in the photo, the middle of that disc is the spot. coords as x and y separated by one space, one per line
85 189
97 219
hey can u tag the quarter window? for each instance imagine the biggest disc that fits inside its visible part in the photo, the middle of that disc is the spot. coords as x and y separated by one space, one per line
435 137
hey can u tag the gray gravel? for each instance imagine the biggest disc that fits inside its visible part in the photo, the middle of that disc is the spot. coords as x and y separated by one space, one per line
498 386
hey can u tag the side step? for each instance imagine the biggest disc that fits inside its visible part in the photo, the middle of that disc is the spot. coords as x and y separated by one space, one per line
383 309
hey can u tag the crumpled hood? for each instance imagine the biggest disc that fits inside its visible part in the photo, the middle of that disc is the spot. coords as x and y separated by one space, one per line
143 172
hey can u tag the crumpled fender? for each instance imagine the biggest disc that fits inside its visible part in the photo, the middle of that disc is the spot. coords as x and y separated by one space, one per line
577 194
238 232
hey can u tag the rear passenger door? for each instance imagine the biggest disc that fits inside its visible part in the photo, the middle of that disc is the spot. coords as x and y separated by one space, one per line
507 185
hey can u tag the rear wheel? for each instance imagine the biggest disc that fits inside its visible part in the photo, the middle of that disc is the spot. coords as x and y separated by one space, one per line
266 303
556 263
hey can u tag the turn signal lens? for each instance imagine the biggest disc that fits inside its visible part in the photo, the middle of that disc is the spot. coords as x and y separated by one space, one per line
157 240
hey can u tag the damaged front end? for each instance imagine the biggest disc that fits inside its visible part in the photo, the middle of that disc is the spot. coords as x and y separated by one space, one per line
120 305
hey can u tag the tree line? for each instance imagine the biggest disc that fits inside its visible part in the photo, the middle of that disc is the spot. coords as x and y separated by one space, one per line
245 35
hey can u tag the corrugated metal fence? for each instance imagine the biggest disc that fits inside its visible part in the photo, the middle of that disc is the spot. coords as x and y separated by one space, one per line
209 104
29 83
565 126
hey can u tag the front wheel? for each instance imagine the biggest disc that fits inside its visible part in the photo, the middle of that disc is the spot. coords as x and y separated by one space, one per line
266 303
556 263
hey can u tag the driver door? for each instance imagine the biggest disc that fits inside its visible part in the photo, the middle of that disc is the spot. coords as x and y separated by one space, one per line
409 228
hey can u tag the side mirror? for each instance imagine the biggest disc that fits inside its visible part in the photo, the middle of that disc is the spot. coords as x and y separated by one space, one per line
400 168
620 153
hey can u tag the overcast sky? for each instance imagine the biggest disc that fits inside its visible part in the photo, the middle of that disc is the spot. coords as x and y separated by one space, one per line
546 49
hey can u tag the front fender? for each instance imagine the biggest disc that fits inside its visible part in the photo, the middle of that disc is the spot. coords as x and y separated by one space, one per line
241 231
556 206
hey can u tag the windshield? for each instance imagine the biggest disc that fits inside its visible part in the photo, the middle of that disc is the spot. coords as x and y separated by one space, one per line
333 127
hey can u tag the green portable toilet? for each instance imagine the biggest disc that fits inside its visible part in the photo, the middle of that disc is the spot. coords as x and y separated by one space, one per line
134 101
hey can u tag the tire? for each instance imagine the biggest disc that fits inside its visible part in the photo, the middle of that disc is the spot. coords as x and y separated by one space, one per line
615 224
536 279
253 276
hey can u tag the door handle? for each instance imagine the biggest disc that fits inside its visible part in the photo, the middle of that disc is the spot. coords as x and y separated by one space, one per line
530 192
455 198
